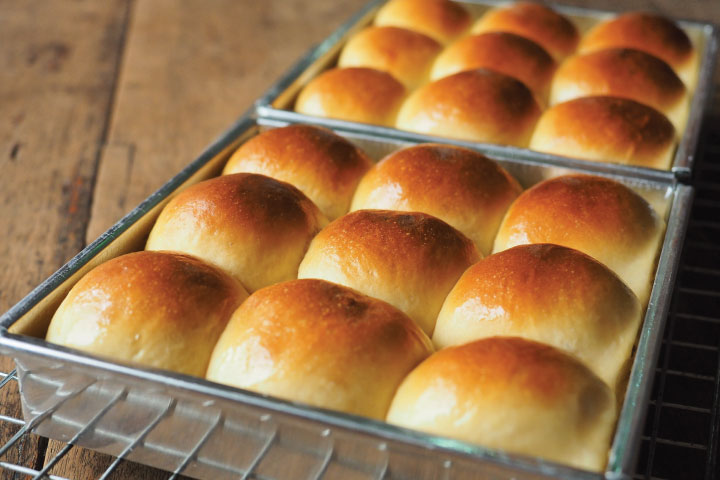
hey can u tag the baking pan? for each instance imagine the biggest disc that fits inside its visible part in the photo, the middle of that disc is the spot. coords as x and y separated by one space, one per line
279 100
206 430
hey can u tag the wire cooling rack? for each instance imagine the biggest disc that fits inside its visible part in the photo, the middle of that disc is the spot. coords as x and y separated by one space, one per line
680 440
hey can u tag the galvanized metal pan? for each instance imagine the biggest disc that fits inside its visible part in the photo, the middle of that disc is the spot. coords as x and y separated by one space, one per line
279 100
206 430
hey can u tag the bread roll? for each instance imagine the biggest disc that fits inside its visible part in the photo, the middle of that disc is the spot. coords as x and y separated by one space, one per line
626 73
323 165
551 294
459 186
254 227
596 215
157 309
356 94
410 260
502 52
511 394
405 54
440 19
650 33
550 30
319 343
478 105
606 129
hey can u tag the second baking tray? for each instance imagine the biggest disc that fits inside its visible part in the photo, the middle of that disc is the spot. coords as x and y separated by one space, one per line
206 430
279 101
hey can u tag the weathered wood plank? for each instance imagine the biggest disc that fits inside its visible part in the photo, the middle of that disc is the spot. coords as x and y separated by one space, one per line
57 72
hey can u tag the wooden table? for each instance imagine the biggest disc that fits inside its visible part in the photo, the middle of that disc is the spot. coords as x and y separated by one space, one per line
101 101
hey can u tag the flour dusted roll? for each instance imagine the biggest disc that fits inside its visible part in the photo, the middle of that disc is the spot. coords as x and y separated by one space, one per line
410 260
319 343
405 54
254 227
651 33
598 216
158 309
625 73
502 52
323 165
511 394
544 26
460 186
442 20
606 129
551 294
478 105
356 94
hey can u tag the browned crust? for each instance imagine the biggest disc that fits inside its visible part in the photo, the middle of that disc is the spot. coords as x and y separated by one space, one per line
440 19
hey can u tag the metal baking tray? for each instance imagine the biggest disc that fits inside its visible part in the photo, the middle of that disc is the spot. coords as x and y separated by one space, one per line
206 430
280 99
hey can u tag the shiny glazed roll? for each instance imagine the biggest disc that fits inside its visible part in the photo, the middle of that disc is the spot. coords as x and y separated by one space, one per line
598 216
323 165
544 26
511 394
254 227
319 343
157 309
650 33
440 19
502 52
405 54
410 260
457 185
478 105
551 294
606 129
355 94
625 73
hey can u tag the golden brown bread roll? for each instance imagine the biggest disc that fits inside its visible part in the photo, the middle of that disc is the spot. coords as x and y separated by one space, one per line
502 52
511 394
355 94
478 105
410 260
598 216
319 343
459 186
440 19
606 129
626 73
544 26
254 227
159 309
323 165
650 33
405 54
550 294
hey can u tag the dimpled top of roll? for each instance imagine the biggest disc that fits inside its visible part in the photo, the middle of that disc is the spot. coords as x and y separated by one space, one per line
158 309
651 33
598 216
550 30
460 186
323 165
405 54
410 260
440 19
478 105
355 94
254 227
551 294
503 52
511 394
606 129
320 343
